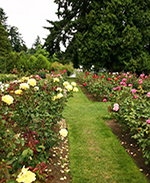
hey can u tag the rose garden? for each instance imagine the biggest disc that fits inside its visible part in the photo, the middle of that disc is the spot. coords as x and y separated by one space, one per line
76 108
31 108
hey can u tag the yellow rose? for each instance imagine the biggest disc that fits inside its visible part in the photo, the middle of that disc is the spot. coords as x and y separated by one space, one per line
60 95
63 132
36 88
26 176
24 79
75 89
24 86
69 87
59 89
54 98
18 91
73 84
55 79
32 82
7 99
66 83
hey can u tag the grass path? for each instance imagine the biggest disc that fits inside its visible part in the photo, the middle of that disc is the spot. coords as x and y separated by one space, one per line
96 155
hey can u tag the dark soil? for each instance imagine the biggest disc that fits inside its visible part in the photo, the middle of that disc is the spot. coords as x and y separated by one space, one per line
124 137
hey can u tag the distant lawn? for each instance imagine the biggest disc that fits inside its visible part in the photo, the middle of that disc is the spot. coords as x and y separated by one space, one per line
96 156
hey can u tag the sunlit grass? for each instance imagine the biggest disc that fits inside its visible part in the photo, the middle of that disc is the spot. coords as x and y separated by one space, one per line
96 156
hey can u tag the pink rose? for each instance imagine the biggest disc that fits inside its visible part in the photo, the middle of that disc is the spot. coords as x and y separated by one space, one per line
104 100
124 79
142 75
140 81
148 121
130 85
146 77
118 87
133 90
116 107
148 94
135 96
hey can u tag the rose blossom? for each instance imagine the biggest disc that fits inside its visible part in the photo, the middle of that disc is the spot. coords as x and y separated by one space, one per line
133 90
26 176
116 107
142 75
140 81
32 82
63 132
148 121
148 94
135 96
7 99
124 79
104 100
118 87
124 74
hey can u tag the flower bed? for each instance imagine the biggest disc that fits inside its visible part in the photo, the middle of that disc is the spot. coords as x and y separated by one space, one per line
130 102
30 109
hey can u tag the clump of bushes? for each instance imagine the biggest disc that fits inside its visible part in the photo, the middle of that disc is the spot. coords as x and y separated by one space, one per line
57 67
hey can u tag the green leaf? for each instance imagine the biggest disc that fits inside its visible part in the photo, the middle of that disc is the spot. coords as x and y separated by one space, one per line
11 181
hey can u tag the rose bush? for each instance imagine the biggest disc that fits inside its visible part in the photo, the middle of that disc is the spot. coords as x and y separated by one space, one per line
130 101
30 109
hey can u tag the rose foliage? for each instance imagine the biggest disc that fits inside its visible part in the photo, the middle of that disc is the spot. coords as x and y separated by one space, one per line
30 108
130 102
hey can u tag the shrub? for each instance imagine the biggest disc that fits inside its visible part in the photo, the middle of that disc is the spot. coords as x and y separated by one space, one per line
56 66
42 62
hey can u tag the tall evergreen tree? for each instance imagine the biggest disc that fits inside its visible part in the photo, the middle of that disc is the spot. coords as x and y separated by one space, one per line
16 40
117 36
112 34
5 47
3 18
36 43
72 15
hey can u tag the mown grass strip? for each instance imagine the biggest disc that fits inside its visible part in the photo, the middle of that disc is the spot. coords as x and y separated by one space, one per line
96 155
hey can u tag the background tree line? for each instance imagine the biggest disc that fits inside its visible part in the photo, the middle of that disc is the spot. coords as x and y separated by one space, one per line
15 57
111 34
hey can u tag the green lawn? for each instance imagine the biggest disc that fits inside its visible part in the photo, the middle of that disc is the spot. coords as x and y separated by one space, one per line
96 156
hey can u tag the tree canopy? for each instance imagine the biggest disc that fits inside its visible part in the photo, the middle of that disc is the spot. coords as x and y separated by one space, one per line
108 34
5 46
14 36
16 40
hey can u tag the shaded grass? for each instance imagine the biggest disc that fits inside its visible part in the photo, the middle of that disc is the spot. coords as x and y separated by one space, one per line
96 155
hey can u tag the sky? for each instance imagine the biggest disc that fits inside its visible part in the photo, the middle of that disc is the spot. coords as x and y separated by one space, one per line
30 16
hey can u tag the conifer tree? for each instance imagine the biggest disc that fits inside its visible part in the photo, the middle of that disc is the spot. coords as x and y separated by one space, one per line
5 47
